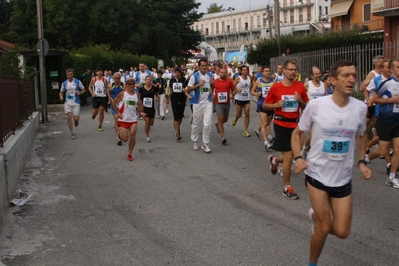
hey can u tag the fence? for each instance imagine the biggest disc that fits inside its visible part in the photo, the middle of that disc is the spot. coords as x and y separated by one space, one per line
17 103
360 55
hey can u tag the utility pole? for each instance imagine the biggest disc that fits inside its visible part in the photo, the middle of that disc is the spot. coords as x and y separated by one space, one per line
40 35
277 24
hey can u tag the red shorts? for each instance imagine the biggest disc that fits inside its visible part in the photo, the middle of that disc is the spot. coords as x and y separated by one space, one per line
126 125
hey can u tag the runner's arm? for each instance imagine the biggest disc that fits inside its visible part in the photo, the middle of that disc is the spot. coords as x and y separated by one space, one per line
366 81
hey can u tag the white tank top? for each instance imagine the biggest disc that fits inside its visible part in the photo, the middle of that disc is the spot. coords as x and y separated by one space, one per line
128 107
315 92
279 78
245 85
99 88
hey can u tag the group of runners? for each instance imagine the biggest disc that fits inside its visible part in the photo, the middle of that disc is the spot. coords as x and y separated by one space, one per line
323 107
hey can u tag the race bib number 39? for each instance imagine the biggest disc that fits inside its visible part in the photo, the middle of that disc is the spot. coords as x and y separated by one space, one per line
147 102
290 104
336 149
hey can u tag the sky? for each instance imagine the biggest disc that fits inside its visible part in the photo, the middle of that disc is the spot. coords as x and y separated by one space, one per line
237 4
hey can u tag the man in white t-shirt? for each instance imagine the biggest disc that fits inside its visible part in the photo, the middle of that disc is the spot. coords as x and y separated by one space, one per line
334 121
72 88
201 83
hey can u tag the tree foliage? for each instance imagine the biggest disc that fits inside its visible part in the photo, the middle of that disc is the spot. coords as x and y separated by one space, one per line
214 8
156 27
268 48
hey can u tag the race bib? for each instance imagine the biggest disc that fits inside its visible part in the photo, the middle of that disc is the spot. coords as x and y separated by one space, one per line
265 90
336 150
222 97
147 102
177 87
70 94
290 104
244 93
131 103
205 89
395 108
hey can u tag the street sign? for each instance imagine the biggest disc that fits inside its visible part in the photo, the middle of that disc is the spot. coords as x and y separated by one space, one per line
42 47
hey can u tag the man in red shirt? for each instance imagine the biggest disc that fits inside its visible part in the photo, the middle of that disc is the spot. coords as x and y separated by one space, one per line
286 98
223 92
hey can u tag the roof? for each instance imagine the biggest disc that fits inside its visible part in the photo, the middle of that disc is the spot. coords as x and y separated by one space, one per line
5 46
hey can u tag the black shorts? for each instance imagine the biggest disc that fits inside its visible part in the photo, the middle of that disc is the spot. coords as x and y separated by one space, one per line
260 109
386 131
242 103
178 110
150 112
100 101
333 192
370 111
282 139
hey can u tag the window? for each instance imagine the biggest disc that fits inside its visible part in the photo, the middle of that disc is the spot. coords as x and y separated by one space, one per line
222 26
301 15
234 24
292 17
217 27
320 10
366 12
239 24
309 13
212 29
285 16
206 31
326 10
246 25
258 21
196 27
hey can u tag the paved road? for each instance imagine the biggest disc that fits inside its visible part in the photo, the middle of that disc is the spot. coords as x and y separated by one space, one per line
176 206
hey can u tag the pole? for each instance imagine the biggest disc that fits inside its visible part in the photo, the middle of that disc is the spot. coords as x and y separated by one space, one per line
277 24
40 35
250 22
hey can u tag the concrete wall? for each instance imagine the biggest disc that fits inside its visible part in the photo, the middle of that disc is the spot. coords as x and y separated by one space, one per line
12 158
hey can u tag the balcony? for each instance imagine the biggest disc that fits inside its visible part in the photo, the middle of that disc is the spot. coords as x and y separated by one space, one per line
293 4
385 8
371 26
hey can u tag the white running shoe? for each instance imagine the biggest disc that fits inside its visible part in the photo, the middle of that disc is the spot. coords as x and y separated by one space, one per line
148 139
394 182
312 218
195 146
257 133
280 170
206 148
167 111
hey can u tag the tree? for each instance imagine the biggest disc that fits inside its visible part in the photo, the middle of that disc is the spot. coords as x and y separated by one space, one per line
214 8
5 14
143 27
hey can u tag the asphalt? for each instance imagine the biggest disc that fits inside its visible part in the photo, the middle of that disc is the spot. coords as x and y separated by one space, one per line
176 206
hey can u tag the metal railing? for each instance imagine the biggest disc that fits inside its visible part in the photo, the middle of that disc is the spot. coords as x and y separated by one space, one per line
17 103
363 26
360 55
384 5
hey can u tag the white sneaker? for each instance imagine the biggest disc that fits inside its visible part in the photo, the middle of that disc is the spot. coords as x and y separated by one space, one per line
257 133
394 182
280 170
312 218
206 148
167 111
148 139
195 146
268 147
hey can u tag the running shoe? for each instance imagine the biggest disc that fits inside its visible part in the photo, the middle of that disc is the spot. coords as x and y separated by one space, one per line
290 193
73 136
167 111
76 123
100 128
119 143
312 218
93 117
257 133
273 168
270 139
246 134
162 117
178 137
280 170
158 116
148 139
268 147
224 141
394 182
195 146
206 148
234 122
129 157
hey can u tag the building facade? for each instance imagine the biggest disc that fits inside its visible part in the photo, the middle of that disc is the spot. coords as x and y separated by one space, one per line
228 30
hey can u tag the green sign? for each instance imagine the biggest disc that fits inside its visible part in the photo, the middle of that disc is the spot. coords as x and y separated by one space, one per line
53 74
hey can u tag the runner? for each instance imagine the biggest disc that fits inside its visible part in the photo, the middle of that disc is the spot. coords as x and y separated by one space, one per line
148 94
242 98
113 90
287 99
98 90
72 88
328 168
223 93
260 90
279 75
387 124
201 84
129 104
160 83
178 99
